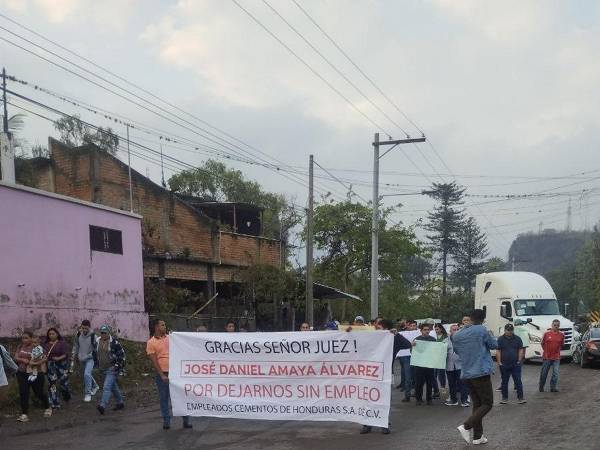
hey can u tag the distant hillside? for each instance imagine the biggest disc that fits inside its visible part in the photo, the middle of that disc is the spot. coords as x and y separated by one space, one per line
546 251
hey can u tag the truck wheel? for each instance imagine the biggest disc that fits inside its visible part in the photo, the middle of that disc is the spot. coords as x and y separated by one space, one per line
584 361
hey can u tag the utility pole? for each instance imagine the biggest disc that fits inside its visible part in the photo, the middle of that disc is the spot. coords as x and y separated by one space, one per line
309 244
7 157
162 168
129 166
375 220
5 112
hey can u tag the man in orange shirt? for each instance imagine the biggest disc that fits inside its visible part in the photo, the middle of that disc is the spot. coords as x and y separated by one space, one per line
552 343
157 349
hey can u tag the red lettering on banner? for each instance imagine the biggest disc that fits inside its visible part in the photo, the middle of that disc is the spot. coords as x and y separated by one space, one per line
241 369
352 391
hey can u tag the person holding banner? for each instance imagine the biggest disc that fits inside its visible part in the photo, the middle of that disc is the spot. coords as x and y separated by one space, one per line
157 349
231 326
424 376
384 324
473 344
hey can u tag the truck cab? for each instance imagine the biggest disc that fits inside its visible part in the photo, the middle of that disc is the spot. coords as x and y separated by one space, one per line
521 298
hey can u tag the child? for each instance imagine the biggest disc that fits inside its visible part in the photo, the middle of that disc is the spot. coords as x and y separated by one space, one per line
37 355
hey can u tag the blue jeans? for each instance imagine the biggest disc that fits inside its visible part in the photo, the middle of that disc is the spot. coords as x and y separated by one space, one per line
88 380
111 386
544 373
506 371
163 396
456 386
407 375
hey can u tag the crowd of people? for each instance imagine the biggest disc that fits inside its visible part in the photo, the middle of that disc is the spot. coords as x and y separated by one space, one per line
43 366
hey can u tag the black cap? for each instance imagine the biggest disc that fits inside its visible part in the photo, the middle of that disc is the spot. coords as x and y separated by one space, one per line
509 327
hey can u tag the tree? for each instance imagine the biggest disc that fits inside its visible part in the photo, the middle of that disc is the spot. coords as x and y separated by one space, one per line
445 222
468 254
587 274
74 133
342 233
269 288
494 264
214 181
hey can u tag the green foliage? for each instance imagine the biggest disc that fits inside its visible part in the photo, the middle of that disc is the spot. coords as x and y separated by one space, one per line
445 223
214 181
74 133
494 264
271 287
161 299
587 274
468 255
342 233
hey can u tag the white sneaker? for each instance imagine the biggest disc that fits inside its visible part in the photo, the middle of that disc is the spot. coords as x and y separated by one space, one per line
94 390
48 412
466 434
23 418
482 440
87 398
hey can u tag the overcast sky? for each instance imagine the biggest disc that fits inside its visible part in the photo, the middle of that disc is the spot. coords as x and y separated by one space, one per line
506 92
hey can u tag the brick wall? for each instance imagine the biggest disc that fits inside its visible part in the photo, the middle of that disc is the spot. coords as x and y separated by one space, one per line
239 249
168 225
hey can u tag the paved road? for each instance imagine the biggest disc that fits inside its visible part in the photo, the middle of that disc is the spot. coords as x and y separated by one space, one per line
567 420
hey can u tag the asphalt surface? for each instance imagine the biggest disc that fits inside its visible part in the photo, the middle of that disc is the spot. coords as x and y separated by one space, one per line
569 419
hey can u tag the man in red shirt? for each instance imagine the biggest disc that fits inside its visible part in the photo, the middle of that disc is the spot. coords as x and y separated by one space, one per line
552 342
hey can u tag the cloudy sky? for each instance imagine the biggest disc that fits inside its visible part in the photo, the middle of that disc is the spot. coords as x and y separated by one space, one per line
506 93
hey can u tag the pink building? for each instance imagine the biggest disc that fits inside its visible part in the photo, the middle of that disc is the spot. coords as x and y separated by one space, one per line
63 260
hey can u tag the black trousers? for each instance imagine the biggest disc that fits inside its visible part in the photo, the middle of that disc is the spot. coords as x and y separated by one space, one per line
36 386
424 376
482 396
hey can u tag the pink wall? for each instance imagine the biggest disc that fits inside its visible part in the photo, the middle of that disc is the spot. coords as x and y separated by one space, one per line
49 276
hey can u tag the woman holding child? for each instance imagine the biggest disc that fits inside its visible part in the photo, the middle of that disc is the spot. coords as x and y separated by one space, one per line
31 361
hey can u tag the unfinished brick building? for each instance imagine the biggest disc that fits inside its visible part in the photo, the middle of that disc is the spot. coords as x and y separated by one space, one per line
187 242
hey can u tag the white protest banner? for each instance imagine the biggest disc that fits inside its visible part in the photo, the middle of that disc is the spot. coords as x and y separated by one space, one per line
429 354
317 375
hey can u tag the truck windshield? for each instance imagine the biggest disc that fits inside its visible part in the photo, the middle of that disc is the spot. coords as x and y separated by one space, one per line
538 307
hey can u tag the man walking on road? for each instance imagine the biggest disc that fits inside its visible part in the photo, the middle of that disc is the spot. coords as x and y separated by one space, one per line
552 342
510 356
473 344
84 350
157 349
111 361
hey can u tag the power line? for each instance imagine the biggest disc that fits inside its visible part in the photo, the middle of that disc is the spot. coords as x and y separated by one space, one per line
212 135
105 70
309 67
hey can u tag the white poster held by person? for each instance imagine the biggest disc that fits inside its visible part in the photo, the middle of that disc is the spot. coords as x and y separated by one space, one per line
429 354
317 375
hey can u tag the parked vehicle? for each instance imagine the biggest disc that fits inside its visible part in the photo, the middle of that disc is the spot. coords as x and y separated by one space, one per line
587 348
521 298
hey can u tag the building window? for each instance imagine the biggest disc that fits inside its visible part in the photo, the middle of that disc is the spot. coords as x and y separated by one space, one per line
105 240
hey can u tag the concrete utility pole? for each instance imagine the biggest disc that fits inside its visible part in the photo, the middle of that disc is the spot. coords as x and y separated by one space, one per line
375 220
309 244
7 156
129 167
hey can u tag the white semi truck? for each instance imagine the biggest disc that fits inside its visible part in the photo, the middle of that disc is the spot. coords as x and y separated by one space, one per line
521 297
